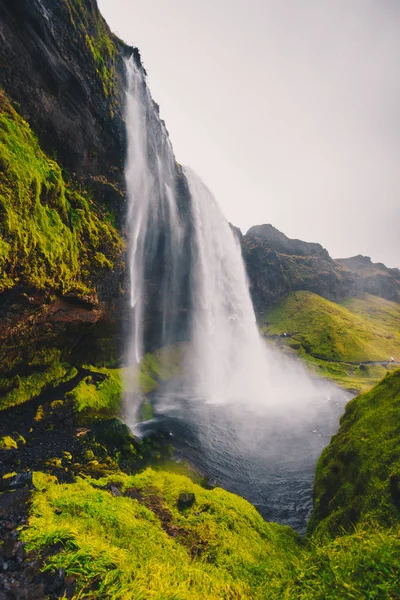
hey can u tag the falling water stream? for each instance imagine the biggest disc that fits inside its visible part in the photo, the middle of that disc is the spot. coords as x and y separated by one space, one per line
247 416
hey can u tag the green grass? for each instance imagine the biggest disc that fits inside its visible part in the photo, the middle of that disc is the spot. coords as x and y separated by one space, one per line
117 547
378 313
355 378
358 475
329 336
98 399
360 566
144 547
24 388
52 235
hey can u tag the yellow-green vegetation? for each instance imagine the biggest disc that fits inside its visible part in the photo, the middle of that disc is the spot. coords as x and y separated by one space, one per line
52 235
336 339
8 443
358 475
123 547
25 388
365 564
379 314
99 394
99 40
125 537
161 365
354 377
96 396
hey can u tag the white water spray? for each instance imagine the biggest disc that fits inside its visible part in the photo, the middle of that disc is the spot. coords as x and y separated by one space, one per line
153 223
230 363
224 332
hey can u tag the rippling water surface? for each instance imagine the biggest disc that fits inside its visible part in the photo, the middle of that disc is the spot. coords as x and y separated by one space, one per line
268 459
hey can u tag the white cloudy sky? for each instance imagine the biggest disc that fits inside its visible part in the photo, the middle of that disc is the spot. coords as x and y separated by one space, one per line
289 110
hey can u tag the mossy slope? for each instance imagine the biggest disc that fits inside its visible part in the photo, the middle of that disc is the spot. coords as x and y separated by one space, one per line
53 236
218 548
125 537
358 475
335 338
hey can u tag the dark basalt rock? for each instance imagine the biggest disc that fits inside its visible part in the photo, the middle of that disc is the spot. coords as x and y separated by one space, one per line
277 265
185 500
20 480
279 242
113 433
47 67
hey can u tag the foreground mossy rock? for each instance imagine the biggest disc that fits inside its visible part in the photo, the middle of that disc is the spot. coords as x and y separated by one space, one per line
124 537
113 433
358 475
140 545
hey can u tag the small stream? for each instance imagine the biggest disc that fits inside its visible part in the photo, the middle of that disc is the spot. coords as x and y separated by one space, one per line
269 459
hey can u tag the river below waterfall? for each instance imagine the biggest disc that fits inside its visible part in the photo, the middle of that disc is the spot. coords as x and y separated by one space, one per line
266 458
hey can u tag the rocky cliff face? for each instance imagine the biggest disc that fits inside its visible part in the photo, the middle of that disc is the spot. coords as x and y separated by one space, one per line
62 192
277 265
63 69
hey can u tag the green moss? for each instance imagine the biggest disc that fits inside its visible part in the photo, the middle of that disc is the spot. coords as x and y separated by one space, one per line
161 365
30 386
146 412
99 397
333 339
52 236
8 443
363 565
220 548
358 475
93 30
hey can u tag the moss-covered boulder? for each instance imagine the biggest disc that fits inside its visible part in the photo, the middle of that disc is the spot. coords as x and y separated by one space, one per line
127 537
136 543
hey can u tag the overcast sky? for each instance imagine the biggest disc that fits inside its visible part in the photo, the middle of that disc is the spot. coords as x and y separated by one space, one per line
289 110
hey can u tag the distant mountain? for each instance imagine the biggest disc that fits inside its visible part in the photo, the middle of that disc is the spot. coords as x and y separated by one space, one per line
279 242
277 265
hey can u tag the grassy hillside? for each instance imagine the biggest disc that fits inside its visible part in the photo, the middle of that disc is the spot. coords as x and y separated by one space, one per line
127 537
337 339
139 544
358 475
119 531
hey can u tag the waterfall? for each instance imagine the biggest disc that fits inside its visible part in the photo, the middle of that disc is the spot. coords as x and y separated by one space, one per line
244 414
226 360
154 226
224 332
229 362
